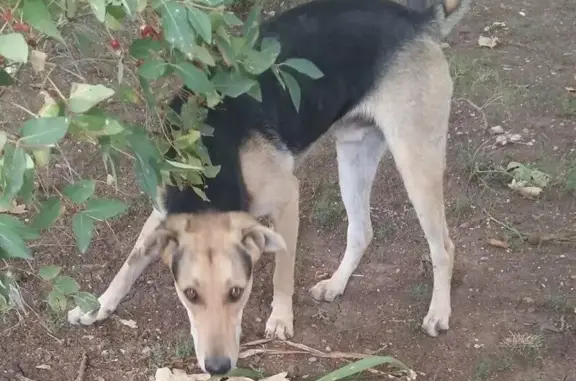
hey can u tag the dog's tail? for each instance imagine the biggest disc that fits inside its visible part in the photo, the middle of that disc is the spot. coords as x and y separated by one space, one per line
448 13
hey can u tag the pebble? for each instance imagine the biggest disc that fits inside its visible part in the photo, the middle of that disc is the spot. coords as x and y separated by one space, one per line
312 359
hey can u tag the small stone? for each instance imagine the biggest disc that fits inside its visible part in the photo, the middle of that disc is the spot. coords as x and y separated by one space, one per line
484 258
312 359
528 300
496 130
515 137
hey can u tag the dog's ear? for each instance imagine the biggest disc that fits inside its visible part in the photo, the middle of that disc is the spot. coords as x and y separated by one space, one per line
260 239
162 242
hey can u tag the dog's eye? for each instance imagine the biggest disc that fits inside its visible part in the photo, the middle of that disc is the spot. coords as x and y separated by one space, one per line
191 295
235 294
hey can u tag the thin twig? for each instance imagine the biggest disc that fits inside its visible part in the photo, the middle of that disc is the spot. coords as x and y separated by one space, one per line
82 369
477 108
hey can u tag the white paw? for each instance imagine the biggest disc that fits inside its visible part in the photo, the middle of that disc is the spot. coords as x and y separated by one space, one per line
437 319
328 290
280 326
77 316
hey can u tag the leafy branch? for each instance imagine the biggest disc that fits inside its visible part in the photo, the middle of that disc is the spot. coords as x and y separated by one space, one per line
200 43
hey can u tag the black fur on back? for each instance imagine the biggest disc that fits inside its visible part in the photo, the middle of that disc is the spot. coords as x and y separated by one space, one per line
350 41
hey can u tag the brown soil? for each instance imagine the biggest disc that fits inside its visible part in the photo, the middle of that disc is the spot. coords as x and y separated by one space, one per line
513 309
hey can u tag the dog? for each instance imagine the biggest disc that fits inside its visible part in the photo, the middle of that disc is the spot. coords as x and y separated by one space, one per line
386 85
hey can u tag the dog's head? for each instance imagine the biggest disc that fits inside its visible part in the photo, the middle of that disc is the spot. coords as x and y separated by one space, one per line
211 256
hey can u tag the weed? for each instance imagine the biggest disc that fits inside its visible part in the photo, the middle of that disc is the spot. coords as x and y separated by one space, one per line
184 348
558 303
419 291
482 370
328 210
524 345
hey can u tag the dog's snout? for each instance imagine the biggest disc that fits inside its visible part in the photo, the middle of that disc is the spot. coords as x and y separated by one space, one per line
218 365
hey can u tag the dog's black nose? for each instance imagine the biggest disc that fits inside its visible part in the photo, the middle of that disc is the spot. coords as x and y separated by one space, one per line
218 365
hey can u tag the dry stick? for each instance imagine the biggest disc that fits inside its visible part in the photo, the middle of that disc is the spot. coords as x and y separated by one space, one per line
82 369
305 349
479 109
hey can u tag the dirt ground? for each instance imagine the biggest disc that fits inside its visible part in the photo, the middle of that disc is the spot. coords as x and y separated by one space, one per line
514 309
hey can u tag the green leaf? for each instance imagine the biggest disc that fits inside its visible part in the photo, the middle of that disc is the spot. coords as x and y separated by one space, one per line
293 88
231 19
13 170
14 47
251 30
28 188
5 78
232 84
103 209
4 306
147 156
44 131
86 301
201 23
362 365
35 13
203 55
226 50
177 30
96 124
304 66
65 285
114 17
51 209
256 92
84 96
57 301
152 69
83 228
49 272
141 48
194 78
196 166
257 62
13 244
3 139
128 95
148 95
130 6
79 191
99 9
25 232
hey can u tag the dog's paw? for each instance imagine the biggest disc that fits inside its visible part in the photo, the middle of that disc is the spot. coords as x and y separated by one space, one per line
280 326
327 290
437 319
77 316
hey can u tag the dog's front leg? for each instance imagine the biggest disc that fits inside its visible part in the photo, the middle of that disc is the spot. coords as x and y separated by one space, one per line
134 265
286 221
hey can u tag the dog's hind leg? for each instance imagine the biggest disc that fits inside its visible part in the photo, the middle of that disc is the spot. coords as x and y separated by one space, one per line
134 265
411 105
359 150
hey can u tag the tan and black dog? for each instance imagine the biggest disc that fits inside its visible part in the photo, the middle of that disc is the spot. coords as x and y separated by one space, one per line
386 85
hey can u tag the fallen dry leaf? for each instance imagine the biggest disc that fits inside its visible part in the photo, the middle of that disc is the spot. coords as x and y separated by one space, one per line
570 89
495 25
129 323
38 60
14 208
530 192
165 374
488 42
497 243
277 377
